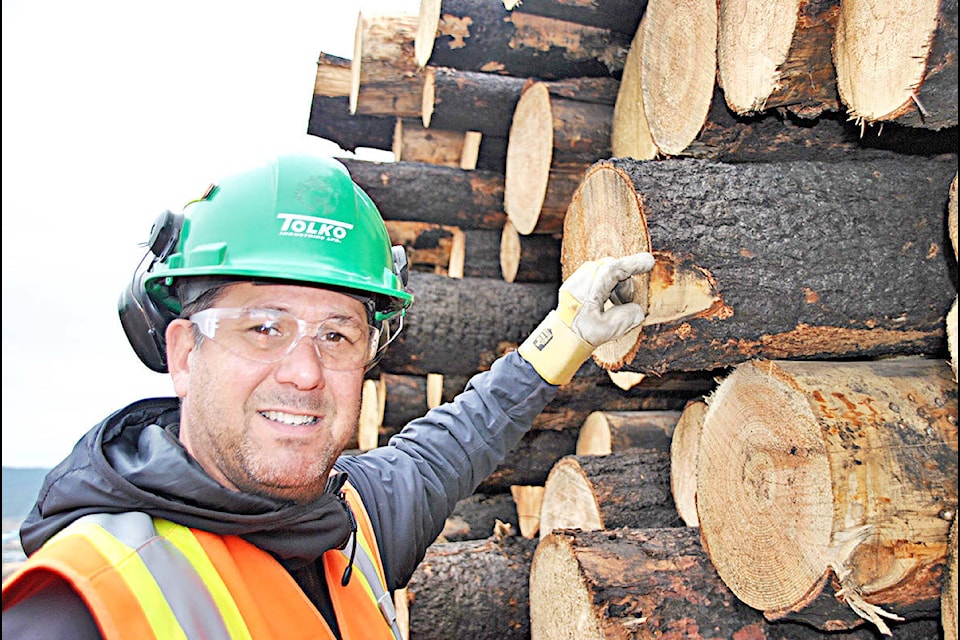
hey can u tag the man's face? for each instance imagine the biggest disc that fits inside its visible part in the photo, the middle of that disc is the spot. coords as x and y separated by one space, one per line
267 428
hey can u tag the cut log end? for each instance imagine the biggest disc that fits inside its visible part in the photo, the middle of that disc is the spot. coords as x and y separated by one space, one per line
952 215
560 587
756 472
684 447
952 337
429 96
355 64
881 53
629 132
948 600
568 500
510 252
605 219
529 155
428 20
678 70
753 43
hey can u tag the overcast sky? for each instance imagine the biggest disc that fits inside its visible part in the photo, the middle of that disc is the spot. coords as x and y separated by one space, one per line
112 112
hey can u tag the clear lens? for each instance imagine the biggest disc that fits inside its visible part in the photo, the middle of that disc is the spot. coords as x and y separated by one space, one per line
268 335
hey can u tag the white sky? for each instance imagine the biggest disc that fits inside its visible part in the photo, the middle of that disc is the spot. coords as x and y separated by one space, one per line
112 112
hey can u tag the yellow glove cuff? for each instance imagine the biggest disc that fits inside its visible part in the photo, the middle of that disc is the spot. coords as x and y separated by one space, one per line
555 351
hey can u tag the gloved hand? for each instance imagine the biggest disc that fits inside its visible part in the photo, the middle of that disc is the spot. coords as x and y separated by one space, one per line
568 335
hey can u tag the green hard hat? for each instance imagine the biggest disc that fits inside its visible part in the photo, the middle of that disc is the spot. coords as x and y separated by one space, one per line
297 218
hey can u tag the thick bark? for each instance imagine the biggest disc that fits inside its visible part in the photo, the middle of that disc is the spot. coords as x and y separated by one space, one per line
622 16
745 270
474 35
778 54
423 192
330 116
475 517
606 432
825 490
626 489
532 459
639 584
459 326
684 448
897 61
774 137
330 119
474 589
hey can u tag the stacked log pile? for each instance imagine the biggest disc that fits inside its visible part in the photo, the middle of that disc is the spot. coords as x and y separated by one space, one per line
774 452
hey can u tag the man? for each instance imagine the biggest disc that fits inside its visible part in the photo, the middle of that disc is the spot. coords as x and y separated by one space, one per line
228 512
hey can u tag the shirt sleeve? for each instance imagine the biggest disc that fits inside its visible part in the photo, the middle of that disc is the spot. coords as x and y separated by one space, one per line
410 486
55 611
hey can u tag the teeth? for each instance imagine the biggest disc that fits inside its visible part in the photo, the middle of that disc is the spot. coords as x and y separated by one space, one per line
288 418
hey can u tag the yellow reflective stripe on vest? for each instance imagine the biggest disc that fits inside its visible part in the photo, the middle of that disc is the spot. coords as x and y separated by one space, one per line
372 581
134 571
188 602
187 543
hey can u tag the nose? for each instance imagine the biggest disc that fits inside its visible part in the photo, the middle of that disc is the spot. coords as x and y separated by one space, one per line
303 365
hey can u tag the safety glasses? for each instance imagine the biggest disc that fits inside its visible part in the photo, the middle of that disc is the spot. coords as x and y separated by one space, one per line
269 335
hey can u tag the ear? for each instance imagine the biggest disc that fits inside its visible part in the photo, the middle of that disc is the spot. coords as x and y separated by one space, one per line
180 344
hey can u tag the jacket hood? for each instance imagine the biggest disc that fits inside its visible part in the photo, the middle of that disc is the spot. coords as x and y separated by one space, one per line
134 461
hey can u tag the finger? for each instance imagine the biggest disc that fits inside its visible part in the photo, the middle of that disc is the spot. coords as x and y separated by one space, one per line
610 274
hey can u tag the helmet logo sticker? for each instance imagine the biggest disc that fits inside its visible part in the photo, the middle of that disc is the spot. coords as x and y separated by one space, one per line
301 226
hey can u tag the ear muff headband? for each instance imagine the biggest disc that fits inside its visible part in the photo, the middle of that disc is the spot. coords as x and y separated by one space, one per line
144 322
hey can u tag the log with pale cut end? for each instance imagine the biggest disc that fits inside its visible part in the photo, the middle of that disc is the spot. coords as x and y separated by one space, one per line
630 135
897 61
415 143
531 258
548 132
626 489
330 116
678 68
528 499
606 432
684 448
952 215
422 192
777 54
629 584
429 246
474 589
476 101
952 337
371 417
476 35
384 75
775 260
825 489
948 601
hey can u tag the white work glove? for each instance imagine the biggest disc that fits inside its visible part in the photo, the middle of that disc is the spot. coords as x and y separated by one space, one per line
581 322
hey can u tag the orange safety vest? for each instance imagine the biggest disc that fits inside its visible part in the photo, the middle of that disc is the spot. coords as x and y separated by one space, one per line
144 577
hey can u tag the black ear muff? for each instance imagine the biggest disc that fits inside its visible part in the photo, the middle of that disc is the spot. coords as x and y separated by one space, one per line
144 321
